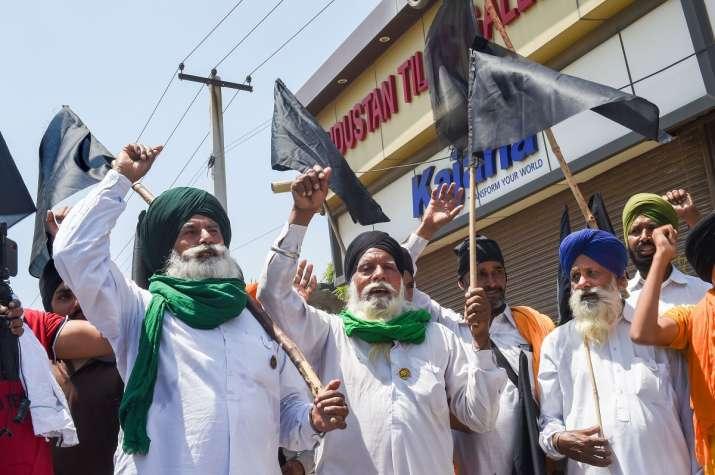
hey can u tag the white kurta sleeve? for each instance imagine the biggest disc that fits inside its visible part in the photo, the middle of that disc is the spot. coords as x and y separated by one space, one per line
296 431
306 325
551 420
681 386
82 257
415 245
474 385
445 316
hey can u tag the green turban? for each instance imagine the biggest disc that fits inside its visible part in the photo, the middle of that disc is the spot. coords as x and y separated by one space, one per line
165 217
651 206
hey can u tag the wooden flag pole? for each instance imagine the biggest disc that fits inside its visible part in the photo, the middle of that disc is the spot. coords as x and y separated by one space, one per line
570 181
472 196
599 420
472 227
284 187
587 215
274 331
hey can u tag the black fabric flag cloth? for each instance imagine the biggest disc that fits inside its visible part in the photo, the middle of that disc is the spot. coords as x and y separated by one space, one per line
512 98
563 278
17 202
600 213
447 65
603 221
529 458
298 142
71 159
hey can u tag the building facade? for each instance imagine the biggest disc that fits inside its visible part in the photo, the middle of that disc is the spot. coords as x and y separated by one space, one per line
372 97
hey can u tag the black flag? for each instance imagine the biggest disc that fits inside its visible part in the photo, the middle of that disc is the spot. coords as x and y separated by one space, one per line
512 98
17 202
447 63
600 213
71 159
528 456
564 278
298 142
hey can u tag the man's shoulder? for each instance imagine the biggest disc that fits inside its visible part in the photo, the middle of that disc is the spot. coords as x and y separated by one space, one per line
559 336
38 319
44 325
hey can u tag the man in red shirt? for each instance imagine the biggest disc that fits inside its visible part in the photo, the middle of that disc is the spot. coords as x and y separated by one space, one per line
24 453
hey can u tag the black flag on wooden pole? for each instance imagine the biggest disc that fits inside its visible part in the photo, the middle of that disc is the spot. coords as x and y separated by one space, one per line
298 142
71 159
513 97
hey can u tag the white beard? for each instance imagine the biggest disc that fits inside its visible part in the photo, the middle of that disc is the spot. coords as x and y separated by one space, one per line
595 319
381 308
190 266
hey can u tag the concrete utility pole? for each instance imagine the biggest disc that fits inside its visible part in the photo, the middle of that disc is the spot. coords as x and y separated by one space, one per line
218 158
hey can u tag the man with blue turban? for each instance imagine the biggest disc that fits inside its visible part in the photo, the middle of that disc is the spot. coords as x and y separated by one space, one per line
206 390
638 388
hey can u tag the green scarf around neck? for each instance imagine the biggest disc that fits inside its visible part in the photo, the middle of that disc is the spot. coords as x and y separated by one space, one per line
201 304
408 327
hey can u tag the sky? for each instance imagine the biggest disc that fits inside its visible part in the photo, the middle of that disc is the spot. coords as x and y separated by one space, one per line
110 62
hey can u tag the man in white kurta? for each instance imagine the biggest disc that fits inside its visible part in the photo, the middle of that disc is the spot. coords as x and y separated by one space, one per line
495 451
638 392
224 398
400 400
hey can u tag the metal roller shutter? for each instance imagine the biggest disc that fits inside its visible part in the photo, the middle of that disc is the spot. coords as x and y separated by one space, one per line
529 238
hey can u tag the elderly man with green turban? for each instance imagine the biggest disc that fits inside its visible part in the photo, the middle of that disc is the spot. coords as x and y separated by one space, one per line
207 390
642 215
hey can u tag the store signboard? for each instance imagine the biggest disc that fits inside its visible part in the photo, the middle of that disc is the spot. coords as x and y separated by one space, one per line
657 51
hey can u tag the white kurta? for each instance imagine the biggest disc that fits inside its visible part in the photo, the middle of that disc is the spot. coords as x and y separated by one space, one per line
638 390
397 425
677 289
491 452
219 407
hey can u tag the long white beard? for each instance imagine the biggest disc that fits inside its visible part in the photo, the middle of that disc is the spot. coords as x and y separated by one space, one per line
190 266
381 308
595 319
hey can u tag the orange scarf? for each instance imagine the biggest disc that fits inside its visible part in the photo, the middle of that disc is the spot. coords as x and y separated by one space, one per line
533 327
252 289
701 365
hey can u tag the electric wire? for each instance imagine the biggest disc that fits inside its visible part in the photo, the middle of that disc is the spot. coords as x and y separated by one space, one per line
240 42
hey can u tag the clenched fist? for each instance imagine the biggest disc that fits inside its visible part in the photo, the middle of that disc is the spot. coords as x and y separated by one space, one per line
135 160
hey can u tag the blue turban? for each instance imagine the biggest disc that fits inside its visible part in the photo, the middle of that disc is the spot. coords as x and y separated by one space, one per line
601 246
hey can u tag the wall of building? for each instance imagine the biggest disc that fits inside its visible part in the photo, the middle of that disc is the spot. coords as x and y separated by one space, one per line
529 239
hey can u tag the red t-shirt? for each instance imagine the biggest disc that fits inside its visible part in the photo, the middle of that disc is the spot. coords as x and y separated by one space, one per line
45 326
24 453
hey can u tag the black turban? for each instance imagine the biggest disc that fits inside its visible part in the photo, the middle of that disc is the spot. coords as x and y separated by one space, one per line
487 250
700 247
375 240
165 217
49 281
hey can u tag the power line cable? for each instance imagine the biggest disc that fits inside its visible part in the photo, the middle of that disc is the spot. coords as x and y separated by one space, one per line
251 241
198 45
174 74
292 37
183 116
263 63
156 106
240 42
